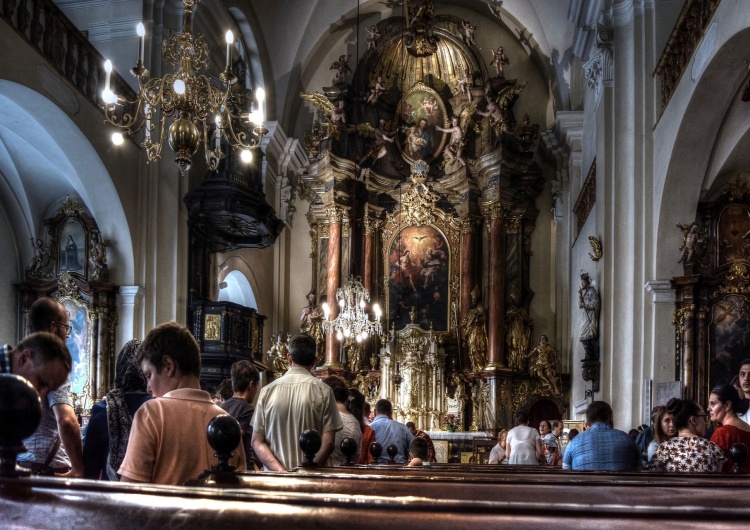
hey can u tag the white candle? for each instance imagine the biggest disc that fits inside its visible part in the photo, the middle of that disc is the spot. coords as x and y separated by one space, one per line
148 120
230 40
217 133
108 70
142 34
260 95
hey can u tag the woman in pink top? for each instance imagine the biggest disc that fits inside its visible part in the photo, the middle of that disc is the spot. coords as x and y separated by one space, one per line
724 404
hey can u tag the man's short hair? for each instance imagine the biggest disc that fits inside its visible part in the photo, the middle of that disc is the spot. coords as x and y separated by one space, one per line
556 424
46 347
302 349
243 373
418 448
410 425
598 412
744 361
42 313
174 340
383 406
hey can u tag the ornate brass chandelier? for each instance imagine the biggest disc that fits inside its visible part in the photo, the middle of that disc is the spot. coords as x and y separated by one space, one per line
353 320
189 98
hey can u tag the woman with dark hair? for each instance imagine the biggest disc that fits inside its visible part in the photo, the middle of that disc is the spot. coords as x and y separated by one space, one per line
523 444
545 427
105 439
664 429
351 423
724 404
688 452
355 405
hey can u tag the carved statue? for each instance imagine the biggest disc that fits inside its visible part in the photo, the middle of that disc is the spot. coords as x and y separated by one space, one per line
463 83
457 403
373 35
277 355
477 406
690 240
311 321
468 33
36 262
334 117
363 382
376 90
455 148
588 300
342 69
518 336
97 255
353 357
499 60
475 333
382 138
543 367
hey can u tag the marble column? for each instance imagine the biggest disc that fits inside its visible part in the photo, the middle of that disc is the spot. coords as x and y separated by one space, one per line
496 303
128 326
335 216
369 226
467 265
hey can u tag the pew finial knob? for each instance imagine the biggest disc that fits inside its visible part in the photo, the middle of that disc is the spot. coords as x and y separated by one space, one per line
310 442
224 435
376 450
348 448
738 452
20 414
392 451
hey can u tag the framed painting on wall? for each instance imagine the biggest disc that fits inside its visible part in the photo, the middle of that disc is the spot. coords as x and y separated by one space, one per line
419 113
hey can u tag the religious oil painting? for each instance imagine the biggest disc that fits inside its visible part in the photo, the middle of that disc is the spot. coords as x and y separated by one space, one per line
419 112
418 278
72 247
729 336
734 234
78 343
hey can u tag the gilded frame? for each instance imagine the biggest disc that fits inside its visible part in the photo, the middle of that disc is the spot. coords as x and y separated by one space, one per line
421 102
445 225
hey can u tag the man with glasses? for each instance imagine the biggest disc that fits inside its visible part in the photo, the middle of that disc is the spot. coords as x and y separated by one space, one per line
56 445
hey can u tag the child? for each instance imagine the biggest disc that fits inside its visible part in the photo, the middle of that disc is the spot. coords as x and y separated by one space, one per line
418 452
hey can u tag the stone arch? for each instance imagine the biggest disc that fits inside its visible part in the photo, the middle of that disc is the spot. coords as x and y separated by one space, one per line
236 288
236 272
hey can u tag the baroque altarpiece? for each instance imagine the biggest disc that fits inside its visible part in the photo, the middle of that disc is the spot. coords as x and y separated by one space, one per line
422 183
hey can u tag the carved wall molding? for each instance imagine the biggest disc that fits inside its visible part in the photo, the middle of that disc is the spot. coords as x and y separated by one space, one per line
600 68
586 199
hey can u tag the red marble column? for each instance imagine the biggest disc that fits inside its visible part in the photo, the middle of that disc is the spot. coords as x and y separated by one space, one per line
369 228
467 265
496 302
335 218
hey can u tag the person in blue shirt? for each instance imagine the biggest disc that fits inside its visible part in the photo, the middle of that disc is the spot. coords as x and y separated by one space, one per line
601 447
389 431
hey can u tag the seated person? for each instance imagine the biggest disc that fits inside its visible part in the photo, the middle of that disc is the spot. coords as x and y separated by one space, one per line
168 443
418 453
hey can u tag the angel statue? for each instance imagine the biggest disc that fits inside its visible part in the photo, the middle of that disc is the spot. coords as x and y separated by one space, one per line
468 33
499 110
39 251
377 89
499 60
382 138
373 35
97 255
454 149
342 69
690 240
475 333
518 325
543 367
334 115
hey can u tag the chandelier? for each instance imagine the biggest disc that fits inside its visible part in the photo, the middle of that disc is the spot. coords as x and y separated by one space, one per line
189 98
353 320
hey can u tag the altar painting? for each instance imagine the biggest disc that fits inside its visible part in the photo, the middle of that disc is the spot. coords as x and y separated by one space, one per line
72 251
729 336
78 344
418 114
418 277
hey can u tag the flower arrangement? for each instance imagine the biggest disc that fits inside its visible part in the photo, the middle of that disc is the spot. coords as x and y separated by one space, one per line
451 422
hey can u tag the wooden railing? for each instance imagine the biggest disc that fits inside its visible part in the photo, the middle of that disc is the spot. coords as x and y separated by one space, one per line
688 31
68 50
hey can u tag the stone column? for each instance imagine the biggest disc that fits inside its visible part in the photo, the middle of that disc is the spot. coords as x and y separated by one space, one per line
335 216
496 303
467 265
369 227
128 326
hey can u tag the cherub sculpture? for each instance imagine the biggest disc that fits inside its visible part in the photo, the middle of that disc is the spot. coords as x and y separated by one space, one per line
454 149
376 90
342 70
499 110
499 60
373 35
468 33
690 240
36 261
463 83
382 136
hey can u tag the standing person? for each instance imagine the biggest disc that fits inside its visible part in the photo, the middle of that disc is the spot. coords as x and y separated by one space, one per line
56 444
545 428
107 433
724 406
497 453
744 382
601 447
523 444
388 431
431 457
351 428
664 429
688 451
296 402
245 380
168 443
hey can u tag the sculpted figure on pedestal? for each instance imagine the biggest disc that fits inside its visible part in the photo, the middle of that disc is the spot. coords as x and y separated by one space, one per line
543 367
475 333
518 335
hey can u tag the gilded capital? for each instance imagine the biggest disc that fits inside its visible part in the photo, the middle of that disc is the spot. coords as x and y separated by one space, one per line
466 225
512 224
494 211
370 226
334 213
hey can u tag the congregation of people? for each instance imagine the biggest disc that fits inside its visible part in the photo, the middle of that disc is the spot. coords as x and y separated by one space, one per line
151 427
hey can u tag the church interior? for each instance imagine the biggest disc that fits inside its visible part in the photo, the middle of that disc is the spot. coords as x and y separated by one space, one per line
476 208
